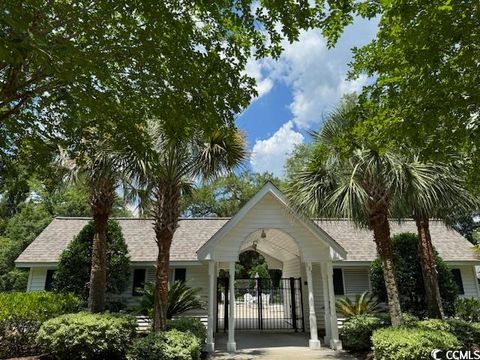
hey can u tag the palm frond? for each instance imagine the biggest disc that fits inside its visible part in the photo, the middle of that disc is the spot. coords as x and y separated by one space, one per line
364 304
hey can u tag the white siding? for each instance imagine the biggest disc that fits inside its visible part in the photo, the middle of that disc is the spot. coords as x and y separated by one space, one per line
37 277
355 280
269 213
468 280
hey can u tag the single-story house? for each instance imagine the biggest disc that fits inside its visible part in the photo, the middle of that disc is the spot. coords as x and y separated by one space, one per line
320 261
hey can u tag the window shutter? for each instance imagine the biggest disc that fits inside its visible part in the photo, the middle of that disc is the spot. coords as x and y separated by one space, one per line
180 275
457 277
338 282
138 281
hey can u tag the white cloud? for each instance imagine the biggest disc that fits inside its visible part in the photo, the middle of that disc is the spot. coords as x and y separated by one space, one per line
270 154
315 74
317 78
255 69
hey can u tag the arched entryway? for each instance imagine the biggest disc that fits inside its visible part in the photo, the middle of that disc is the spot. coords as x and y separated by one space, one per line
268 225
268 286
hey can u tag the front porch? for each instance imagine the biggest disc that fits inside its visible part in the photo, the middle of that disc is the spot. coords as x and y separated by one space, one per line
289 242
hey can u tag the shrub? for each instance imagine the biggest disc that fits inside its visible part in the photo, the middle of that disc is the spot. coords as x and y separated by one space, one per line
87 336
408 274
467 333
181 298
410 343
169 345
468 309
433 324
22 314
409 319
73 272
357 331
192 325
365 303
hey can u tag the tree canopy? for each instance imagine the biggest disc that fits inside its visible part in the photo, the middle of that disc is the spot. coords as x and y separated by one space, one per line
225 195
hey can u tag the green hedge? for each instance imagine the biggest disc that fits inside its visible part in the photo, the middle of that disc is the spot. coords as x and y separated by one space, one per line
87 336
192 325
357 331
169 345
468 309
467 333
410 343
22 314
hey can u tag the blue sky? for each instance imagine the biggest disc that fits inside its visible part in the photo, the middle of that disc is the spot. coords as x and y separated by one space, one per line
296 92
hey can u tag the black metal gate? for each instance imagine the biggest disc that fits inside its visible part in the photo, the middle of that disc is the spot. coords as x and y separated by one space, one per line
262 304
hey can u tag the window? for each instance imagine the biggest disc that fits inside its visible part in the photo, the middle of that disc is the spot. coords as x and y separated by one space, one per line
180 275
49 280
457 277
138 281
338 282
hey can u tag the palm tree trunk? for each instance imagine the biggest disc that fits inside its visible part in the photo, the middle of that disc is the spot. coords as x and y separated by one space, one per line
429 272
166 213
381 233
101 203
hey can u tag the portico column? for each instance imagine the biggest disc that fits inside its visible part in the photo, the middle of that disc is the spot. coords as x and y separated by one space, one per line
313 343
231 345
335 342
211 307
326 304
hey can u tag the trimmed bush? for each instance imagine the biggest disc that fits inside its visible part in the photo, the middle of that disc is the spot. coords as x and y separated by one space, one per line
73 271
87 336
191 325
467 333
169 345
468 309
408 273
22 314
434 324
410 343
357 331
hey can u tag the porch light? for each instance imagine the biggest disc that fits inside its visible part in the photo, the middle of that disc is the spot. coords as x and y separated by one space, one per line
263 235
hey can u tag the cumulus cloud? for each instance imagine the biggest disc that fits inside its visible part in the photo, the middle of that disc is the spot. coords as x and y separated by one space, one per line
256 69
270 154
317 78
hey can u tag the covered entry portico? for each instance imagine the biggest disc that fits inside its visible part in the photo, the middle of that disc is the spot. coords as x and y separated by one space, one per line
292 242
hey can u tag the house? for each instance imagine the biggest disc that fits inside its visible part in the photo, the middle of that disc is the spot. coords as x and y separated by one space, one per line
320 260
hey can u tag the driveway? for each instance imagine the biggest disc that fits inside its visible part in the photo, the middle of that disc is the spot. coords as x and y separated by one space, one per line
274 346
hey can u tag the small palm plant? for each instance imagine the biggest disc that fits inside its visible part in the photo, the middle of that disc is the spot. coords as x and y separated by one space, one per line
365 303
181 298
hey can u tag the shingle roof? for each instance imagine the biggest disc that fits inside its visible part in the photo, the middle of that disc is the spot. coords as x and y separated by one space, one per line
193 233
358 242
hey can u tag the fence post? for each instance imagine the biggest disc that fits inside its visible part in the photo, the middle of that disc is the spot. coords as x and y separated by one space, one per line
294 304
259 302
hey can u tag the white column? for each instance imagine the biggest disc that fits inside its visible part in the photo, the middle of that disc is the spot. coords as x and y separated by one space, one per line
231 345
335 342
475 279
313 343
326 304
211 307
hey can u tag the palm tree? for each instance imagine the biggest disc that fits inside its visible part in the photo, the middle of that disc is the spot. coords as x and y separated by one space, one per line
182 159
433 190
359 187
102 166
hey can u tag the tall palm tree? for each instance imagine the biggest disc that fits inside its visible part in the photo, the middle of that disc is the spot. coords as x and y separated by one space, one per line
359 187
102 166
182 159
433 190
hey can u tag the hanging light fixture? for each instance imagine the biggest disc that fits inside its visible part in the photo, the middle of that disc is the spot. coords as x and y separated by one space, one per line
263 235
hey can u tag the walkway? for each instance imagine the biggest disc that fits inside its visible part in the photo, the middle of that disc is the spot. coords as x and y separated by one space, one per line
273 346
